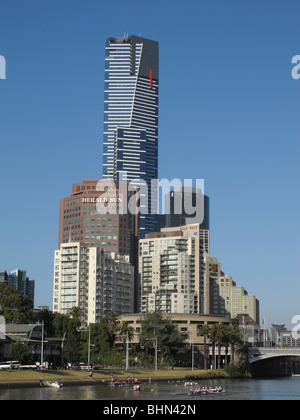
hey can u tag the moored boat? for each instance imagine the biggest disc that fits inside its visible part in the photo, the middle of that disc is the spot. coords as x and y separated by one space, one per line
52 384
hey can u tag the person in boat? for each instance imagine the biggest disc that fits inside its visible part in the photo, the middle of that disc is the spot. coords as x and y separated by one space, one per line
191 392
118 383
41 381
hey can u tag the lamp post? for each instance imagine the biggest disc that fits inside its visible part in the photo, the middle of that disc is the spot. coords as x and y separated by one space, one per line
127 349
193 356
192 345
42 347
156 350
89 347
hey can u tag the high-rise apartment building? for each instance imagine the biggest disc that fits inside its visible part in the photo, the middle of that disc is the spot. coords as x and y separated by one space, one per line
222 296
130 134
170 268
94 280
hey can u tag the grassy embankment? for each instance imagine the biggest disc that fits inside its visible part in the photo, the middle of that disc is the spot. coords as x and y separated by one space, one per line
105 375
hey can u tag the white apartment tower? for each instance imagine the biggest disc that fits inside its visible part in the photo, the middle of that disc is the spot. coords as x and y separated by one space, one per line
170 268
92 279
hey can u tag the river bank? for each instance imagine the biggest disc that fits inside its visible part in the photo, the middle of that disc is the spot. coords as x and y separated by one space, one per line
162 390
31 378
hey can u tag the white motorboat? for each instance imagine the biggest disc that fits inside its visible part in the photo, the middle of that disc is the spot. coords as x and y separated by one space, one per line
52 384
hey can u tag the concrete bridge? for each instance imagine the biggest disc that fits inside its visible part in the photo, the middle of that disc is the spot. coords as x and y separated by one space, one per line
257 354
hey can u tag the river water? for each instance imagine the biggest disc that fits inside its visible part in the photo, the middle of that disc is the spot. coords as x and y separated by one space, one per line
257 389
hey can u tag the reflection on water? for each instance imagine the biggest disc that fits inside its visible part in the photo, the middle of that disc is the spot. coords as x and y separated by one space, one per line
272 389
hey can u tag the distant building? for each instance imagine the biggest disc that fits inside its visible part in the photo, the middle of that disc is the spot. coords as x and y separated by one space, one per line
18 280
222 296
184 207
94 280
276 334
38 309
288 339
250 329
3 277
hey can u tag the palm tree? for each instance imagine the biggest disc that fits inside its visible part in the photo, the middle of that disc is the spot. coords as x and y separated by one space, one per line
213 333
226 342
235 338
205 331
76 313
219 337
126 332
112 323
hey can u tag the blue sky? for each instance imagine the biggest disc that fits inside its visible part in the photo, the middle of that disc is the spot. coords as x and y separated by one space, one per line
229 113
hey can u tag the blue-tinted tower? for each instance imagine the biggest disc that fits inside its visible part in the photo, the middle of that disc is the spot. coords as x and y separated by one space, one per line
130 135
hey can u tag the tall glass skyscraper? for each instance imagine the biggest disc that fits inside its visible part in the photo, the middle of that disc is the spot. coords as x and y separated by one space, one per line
18 280
130 137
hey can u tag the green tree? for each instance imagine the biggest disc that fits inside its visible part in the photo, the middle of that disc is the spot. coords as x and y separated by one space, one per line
72 347
124 330
103 349
111 326
68 328
234 338
213 339
220 339
21 352
76 313
170 341
15 307
47 317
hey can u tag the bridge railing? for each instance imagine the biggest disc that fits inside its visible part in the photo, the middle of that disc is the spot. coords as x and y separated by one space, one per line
260 353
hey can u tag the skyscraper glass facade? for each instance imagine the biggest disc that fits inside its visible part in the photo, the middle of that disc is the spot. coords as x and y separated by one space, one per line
130 135
18 280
